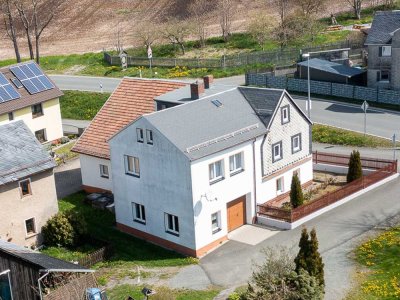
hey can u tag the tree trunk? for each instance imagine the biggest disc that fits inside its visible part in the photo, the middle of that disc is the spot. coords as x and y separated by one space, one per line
182 48
37 50
12 33
29 40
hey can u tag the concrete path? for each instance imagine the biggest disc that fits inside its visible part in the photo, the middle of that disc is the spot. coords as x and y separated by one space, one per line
68 178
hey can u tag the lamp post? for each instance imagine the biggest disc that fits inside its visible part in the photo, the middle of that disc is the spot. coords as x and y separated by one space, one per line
307 55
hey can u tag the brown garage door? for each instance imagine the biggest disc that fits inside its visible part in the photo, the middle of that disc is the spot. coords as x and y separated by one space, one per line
236 213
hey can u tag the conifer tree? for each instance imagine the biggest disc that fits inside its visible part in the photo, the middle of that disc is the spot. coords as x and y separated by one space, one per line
315 266
355 168
296 193
304 252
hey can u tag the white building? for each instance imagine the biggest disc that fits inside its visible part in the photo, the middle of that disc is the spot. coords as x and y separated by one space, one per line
186 176
27 94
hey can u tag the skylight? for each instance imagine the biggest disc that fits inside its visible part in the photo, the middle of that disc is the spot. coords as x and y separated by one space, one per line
216 102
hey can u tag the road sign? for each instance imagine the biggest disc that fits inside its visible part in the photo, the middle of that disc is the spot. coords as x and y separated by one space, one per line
365 106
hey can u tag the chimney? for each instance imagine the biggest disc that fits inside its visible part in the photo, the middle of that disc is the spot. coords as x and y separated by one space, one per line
207 81
196 89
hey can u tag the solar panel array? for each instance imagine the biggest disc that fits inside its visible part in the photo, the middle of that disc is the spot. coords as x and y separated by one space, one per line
32 78
7 91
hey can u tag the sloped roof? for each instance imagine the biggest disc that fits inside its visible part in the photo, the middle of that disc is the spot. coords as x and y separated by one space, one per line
332 67
26 98
382 27
200 127
21 154
40 260
131 99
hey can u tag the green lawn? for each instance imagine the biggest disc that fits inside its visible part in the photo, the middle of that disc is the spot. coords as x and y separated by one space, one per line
65 151
380 259
336 136
81 105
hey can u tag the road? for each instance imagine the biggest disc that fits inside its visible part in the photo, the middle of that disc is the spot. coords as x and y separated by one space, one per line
379 122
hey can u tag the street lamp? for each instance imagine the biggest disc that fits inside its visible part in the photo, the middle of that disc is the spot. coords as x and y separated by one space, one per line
307 55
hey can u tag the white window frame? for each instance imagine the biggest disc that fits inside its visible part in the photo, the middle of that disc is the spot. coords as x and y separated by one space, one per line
29 187
212 171
104 171
37 115
139 135
174 228
276 158
285 119
216 217
280 185
135 166
385 51
139 213
44 135
236 163
149 136
27 234
299 147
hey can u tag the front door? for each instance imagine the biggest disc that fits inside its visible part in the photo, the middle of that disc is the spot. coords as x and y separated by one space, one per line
236 213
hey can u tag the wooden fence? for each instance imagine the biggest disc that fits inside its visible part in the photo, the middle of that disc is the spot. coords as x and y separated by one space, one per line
384 168
100 255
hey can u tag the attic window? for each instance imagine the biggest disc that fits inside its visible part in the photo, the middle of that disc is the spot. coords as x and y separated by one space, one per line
17 83
217 103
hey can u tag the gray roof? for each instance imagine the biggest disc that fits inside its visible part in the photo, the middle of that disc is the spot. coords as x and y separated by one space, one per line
332 67
201 128
40 260
383 25
21 154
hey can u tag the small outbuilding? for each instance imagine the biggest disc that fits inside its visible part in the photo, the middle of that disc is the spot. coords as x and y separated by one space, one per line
324 70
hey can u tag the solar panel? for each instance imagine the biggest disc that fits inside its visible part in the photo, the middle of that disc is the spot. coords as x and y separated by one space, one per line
7 91
32 78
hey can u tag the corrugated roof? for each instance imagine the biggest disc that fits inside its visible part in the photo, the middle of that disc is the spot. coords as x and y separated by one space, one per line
26 98
332 67
21 154
131 99
385 23
40 260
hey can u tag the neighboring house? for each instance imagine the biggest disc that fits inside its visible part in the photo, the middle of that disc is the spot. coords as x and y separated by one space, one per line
383 44
131 99
27 188
186 176
27 94
22 268
324 70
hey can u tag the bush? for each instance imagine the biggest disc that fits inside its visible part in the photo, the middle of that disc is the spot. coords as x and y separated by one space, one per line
79 225
355 169
296 193
58 231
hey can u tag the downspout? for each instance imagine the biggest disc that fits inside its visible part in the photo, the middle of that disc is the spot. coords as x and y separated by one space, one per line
39 285
254 182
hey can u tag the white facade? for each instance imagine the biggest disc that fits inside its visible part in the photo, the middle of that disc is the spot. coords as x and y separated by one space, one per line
50 121
92 175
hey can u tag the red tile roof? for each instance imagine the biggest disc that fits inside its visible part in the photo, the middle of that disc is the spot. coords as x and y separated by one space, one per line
131 99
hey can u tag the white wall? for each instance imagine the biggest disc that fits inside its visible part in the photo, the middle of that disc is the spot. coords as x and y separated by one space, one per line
51 119
90 169
221 192
164 185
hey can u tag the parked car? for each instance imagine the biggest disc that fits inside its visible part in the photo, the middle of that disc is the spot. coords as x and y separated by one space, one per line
95 294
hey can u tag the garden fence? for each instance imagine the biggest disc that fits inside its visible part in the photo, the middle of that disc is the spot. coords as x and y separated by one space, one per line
93 258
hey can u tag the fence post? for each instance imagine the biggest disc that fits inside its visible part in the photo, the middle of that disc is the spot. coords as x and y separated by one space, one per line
316 157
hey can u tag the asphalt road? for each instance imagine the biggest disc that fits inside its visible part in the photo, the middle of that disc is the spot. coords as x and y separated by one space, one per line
379 122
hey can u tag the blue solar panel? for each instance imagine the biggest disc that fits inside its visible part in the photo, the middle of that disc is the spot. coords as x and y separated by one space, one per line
3 80
32 78
7 91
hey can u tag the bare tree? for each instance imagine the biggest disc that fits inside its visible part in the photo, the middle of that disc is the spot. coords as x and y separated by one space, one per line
26 22
199 9
147 33
226 12
289 30
119 44
310 7
176 32
9 24
260 28
356 6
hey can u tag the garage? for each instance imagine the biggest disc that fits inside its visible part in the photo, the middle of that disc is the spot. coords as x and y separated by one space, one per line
236 211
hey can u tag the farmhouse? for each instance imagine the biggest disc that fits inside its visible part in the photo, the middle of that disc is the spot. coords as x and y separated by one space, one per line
27 94
186 176
27 188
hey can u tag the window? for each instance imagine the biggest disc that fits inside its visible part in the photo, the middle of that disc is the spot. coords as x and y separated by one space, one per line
383 75
25 187
37 110
277 151
138 212
30 226
149 136
285 114
132 166
140 136
41 135
296 143
172 224
236 163
104 171
216 171
216 222
10 116
279 185
163 106
385 51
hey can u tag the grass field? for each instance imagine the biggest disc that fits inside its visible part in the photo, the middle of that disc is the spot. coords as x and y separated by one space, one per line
336 136
379 278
